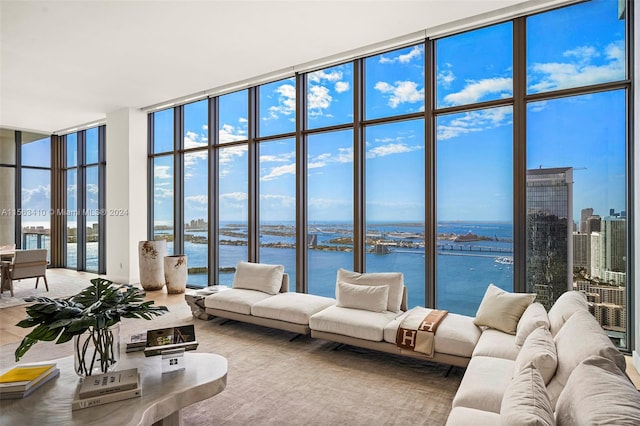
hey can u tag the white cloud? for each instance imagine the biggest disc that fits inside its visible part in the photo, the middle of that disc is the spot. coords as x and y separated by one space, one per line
197 199
318 99
278 200
287 169
236 196
228 156
162 172
230 133
286 102
414 53
562 75
475 121
36 197
160 193
319 76
445 78
390 149
401 92
476 90
342 86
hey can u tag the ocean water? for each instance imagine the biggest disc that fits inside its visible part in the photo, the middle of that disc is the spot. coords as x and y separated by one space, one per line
462 272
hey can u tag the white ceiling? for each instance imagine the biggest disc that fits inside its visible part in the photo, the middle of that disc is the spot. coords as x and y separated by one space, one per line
68 63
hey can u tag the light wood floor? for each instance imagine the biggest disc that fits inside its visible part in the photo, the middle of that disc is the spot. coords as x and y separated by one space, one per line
9 333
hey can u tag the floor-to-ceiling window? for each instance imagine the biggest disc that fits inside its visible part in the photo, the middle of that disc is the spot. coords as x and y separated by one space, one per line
495 155
84 206
36 194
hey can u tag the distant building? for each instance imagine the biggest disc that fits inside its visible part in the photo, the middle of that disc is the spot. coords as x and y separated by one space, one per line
606 303
549 233
582 250
615 245
584 216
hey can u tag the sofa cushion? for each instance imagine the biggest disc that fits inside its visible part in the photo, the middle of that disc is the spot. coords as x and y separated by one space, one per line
356 323
502 310
567 304
578 339
540 350
372 298
484 384
258 276
395 281
496 344
533 317
456 334
235 300
291 307
463 416
598 393
525 401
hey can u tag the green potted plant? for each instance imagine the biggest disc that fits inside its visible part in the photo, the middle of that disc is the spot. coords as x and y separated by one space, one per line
92 318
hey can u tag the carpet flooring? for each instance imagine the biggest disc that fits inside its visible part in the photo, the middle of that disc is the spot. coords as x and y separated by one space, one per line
275 381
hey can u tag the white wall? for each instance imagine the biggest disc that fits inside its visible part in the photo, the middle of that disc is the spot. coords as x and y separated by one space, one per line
126 191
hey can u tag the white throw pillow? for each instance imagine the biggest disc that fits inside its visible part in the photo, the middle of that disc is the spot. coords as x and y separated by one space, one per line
502 310
370 298
540 350
578 339
567 304
525 401
533 317
598 393
394 280
258 276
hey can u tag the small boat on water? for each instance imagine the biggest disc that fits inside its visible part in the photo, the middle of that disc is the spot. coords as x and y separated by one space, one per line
504 260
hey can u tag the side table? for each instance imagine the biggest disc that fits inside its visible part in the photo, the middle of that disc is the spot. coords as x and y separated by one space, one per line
195 300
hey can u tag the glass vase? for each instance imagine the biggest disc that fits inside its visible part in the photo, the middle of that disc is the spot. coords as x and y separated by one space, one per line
97 350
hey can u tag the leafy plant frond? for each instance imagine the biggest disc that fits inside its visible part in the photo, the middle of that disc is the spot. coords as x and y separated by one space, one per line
98 306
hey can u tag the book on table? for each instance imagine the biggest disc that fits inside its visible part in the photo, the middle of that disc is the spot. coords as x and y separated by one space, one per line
102 384
92 401
21 380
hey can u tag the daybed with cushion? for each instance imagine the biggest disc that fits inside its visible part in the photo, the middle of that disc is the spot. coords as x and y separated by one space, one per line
259 295
369 309
531 367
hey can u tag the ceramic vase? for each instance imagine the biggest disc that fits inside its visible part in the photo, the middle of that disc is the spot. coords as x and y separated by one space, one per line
175 273
150 260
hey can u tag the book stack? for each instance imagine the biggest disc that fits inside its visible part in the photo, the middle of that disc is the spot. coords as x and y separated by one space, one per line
137 342
212 289
109 387
22 380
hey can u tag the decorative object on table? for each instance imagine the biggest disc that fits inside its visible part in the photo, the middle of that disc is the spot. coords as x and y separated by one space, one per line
175 273
137 342
102 384
20 381
89 317
173 360
151 262
164 339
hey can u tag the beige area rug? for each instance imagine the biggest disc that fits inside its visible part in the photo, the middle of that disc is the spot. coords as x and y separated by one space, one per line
275 381
62 283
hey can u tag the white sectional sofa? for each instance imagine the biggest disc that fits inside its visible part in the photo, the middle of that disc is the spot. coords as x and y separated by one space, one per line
558 368
524 366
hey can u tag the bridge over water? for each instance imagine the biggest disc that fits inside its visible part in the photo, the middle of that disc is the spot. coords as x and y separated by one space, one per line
474 248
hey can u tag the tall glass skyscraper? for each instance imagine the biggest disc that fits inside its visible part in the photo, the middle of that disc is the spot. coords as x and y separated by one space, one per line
549 233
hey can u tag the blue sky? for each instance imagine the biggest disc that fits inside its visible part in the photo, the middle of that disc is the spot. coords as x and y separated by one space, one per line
579 45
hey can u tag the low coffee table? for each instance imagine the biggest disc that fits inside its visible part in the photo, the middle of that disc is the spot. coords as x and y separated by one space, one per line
163 395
